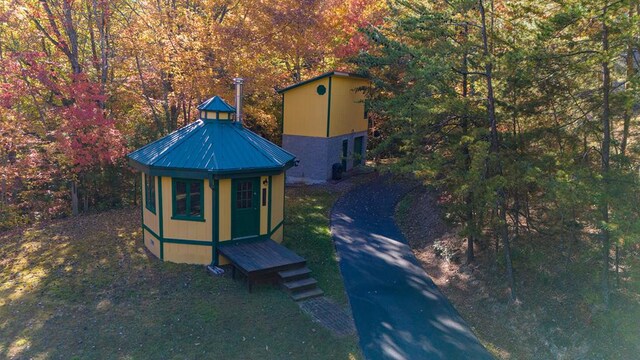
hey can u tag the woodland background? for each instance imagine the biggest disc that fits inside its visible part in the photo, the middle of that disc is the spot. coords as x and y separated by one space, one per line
84 82
522 114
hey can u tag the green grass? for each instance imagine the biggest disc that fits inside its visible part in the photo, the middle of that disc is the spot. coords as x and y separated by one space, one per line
307 233
86 288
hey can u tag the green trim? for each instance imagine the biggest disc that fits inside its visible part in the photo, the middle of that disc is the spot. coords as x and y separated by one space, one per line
245 240
188 242
215 224
329 108
284 195
188 183
152 233
187 218
282 122
160 220
269 206
276 228
175 241
204 174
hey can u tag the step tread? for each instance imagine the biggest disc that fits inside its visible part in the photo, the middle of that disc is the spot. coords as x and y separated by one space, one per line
294 272
292 285
307 294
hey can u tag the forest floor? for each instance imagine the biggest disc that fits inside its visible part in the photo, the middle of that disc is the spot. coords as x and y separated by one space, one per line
558 314
85 287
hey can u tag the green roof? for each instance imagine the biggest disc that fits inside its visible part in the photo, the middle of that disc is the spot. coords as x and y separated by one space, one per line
327 74
216 104
211 148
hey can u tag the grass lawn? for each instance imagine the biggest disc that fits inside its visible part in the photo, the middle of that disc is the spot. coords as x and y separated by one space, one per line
87 288
306 232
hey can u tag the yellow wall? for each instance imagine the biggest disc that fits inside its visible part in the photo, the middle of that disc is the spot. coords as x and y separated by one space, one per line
201 231
277 200
224 211
212 115
184 229
223 260
187 254
152 243
277 236
305 112
150 219
347 106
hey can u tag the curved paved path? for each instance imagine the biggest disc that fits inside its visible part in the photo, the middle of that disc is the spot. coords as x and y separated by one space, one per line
398 311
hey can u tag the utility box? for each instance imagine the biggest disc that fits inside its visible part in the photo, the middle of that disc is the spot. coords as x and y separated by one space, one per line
324 122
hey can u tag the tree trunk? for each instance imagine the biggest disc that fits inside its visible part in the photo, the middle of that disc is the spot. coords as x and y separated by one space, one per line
606 147
74 198
3 196
85 203
495 150
135 191
467 157
631 72
617 266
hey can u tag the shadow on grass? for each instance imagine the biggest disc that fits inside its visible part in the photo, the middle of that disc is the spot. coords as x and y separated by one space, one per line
307 233
87 288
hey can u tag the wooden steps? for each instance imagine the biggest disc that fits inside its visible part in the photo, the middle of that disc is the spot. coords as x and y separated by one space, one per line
265 260
308 294
298 283
295 274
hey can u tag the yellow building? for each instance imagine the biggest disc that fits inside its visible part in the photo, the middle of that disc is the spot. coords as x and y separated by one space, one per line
324 123
208 183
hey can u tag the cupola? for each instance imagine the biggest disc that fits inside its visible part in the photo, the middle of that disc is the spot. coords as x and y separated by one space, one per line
216 109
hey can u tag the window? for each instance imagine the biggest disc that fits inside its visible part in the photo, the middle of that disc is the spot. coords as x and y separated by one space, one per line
244 195
187 199
150 192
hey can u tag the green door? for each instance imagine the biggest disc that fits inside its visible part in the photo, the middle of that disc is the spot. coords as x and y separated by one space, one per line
345 153
357 151
245 208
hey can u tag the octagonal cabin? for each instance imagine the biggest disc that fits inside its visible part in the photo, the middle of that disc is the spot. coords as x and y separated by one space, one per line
324 123
210 182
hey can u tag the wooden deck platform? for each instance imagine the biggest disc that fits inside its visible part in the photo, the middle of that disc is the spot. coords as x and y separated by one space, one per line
260 259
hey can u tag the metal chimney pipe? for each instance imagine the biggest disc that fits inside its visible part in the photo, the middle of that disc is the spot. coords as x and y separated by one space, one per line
238 82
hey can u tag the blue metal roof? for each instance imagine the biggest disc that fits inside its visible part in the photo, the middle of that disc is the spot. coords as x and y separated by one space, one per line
211 147
216 104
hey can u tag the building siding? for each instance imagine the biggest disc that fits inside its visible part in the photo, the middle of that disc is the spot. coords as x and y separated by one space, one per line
317 155
305 111
187 254
152 243
185 229
347 106
277 200
224 211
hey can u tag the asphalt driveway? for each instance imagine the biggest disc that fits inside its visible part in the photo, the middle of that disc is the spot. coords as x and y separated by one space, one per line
398 311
